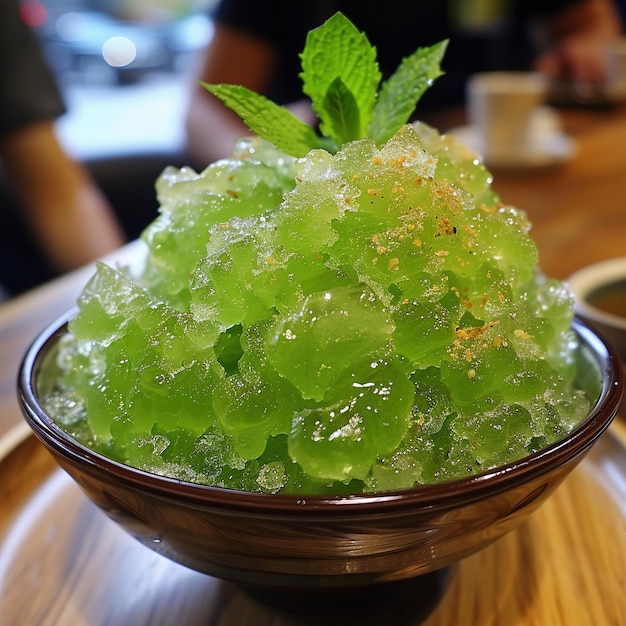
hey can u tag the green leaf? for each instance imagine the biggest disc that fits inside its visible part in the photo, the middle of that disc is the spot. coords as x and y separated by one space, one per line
341 76
400 94
268 120
343 112
337 49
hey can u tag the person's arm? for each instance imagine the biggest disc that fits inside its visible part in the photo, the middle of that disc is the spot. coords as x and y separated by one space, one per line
232 57
68 215
577 36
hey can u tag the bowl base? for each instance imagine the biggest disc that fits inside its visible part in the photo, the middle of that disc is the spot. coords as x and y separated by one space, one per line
409 601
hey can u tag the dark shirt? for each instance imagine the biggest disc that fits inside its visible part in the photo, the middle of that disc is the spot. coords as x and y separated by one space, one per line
28 92
396 31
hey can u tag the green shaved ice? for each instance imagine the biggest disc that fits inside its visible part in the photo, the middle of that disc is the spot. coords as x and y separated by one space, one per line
193 206
366 415
303 346
378 323
326 313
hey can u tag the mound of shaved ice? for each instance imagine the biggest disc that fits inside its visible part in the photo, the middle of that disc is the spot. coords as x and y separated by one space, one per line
364 321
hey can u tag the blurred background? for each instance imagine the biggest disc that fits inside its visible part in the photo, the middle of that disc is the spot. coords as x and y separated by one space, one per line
122 66
125 69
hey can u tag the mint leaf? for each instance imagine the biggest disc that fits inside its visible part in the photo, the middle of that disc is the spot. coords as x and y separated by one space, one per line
343 113
268 120
400 94
337 49
341 76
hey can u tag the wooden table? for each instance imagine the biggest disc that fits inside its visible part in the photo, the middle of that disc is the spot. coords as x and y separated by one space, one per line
567 565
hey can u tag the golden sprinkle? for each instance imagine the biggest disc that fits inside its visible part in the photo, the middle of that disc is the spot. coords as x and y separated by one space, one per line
381 249
417 242
474 332
522 334
444 227
377 160
372 192
394 264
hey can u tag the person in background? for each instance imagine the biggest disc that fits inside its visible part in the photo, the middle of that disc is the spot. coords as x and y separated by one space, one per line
68 217
572 41
256 44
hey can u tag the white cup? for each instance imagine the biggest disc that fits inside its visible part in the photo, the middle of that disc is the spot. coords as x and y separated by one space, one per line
616 68
500 106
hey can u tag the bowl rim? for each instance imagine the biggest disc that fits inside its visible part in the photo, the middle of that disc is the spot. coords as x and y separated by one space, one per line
436 496
591 278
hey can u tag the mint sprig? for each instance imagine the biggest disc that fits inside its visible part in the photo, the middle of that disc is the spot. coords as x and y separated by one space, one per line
342 78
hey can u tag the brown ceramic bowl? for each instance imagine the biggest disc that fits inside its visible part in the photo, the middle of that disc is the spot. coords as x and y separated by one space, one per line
290 543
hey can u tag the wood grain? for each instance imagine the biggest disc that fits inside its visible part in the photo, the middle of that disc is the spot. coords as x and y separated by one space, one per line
63 563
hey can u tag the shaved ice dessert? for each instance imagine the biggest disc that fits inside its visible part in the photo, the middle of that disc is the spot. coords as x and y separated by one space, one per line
340 313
